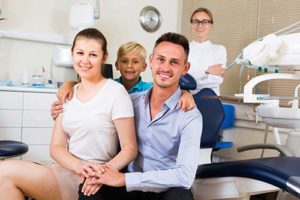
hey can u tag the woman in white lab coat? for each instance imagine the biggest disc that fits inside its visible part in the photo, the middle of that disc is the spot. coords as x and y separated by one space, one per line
207 60
85 136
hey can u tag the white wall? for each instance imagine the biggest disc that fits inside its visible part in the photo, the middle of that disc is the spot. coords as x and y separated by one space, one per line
118 21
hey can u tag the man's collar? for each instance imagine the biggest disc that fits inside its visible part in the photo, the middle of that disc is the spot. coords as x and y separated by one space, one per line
171 102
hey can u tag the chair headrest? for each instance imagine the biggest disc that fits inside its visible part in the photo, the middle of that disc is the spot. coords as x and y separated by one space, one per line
187 82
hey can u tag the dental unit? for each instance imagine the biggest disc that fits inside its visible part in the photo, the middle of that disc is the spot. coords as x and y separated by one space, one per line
275 51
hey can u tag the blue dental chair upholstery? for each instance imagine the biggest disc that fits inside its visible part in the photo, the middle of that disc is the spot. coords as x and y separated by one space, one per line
228 122
282 172
10 148
187 82
213 116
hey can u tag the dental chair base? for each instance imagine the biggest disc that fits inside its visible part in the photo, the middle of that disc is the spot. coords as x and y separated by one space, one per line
268 170
290 148
230 188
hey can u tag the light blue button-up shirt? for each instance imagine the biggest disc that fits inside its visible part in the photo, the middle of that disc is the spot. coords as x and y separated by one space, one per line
168 145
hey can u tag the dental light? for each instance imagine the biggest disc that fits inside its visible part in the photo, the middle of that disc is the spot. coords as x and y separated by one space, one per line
82 15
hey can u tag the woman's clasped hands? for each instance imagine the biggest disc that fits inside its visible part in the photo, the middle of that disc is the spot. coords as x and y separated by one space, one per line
88 172
95 175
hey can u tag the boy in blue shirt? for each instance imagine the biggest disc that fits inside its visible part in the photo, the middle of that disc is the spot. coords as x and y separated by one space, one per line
131 62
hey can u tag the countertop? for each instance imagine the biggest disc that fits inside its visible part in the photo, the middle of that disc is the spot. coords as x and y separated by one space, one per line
28 89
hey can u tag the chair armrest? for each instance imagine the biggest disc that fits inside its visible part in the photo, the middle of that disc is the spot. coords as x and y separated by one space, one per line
284 151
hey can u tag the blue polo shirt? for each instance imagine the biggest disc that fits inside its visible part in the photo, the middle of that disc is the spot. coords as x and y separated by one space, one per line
140 86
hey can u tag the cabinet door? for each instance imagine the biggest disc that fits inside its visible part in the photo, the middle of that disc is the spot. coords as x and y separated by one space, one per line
11 109
10 134
38 153
38 101
37 118
11 100
10 118
37 135
37 125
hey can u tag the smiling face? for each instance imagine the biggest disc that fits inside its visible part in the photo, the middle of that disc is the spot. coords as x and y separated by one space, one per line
88 58
131 65
201 30
168 64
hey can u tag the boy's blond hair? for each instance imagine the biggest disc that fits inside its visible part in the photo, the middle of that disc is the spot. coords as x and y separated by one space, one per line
131 47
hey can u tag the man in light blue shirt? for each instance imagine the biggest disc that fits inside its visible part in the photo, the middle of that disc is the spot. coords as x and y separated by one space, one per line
168 138
168 143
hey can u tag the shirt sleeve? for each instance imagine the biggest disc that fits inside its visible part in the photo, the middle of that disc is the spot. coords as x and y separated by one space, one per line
122 105
213 81
182 174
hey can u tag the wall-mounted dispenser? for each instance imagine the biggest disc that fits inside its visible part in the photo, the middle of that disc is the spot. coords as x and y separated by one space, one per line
83 14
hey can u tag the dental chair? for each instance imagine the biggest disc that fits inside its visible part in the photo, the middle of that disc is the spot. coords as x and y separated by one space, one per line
282 172
188 82
10 148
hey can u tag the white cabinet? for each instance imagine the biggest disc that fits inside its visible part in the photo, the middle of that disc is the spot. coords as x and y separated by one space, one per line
10 118
38 101
25 116
37 125
37 118
11 104
10 133
11 100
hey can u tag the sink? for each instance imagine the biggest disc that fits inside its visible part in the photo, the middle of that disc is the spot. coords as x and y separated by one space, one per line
280 116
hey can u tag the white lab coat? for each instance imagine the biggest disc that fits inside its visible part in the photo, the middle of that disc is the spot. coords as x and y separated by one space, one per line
201 56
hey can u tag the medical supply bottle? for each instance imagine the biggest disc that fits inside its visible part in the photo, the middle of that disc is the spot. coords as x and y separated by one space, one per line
25 78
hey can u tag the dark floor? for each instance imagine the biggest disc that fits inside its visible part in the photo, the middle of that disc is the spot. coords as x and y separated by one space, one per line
267 196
